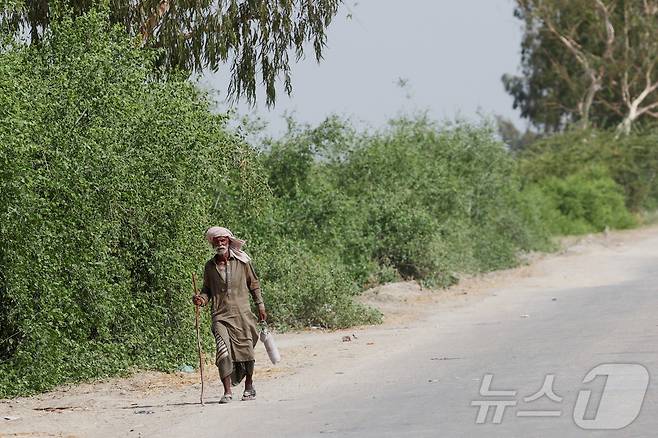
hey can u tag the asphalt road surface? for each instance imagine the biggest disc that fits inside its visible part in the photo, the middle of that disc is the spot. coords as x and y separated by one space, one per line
430 378
564 347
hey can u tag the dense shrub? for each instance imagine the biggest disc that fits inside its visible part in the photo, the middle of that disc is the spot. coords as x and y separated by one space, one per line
307 288
107 178
416 200
584 202
631 161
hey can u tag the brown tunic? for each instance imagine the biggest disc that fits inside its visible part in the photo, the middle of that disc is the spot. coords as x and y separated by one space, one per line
228 292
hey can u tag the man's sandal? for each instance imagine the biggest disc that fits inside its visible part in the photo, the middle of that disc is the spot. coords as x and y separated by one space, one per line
249 394
226 398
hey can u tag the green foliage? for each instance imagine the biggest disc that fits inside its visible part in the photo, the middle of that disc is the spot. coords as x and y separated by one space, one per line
255 37
110 174
584 202
631 161
515 140
306 288
416 200
107 177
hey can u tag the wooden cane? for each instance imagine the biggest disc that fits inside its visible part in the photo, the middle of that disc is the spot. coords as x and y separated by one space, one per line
198 336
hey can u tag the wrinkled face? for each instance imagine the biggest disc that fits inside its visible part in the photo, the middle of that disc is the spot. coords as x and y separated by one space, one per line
220 244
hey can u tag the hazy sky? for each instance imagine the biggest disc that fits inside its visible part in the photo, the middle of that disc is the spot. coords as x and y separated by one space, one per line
452 54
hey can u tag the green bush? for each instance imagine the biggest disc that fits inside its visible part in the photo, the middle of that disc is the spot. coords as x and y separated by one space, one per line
631 161
416 201
306 289
107 175
585 202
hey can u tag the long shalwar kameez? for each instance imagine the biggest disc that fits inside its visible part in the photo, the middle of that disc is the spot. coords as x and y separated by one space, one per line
227 286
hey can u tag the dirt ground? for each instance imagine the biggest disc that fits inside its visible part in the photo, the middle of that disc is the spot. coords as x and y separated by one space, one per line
127 406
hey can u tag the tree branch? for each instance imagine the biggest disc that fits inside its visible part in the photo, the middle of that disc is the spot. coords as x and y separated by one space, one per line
612 107
609 29
648 108
571 44
146 29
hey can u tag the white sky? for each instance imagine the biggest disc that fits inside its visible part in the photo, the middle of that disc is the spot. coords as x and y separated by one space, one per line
452 52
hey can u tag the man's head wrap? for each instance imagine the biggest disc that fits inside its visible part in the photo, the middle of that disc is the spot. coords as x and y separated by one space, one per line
234 246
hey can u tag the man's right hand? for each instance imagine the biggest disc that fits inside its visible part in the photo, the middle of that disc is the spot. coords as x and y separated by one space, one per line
197 300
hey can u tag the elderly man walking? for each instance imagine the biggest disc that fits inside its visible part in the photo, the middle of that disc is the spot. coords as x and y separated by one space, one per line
228 280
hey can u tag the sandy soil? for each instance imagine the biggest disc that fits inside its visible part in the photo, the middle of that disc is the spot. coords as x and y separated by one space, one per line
131 406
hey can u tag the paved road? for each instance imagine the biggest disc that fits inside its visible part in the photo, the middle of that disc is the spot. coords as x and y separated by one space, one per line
424 385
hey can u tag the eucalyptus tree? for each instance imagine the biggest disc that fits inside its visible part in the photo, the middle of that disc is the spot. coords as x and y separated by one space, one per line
590 62
254 37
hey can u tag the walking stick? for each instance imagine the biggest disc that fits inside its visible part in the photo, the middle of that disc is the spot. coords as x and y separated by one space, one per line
198 336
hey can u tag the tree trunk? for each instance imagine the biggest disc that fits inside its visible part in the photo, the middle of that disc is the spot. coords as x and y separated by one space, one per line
625 126
588 99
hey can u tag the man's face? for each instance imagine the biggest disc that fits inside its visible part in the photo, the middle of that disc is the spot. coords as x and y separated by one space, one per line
221 244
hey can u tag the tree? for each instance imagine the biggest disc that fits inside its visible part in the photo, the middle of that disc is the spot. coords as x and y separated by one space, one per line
513 138
254 36
639 74
588 62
